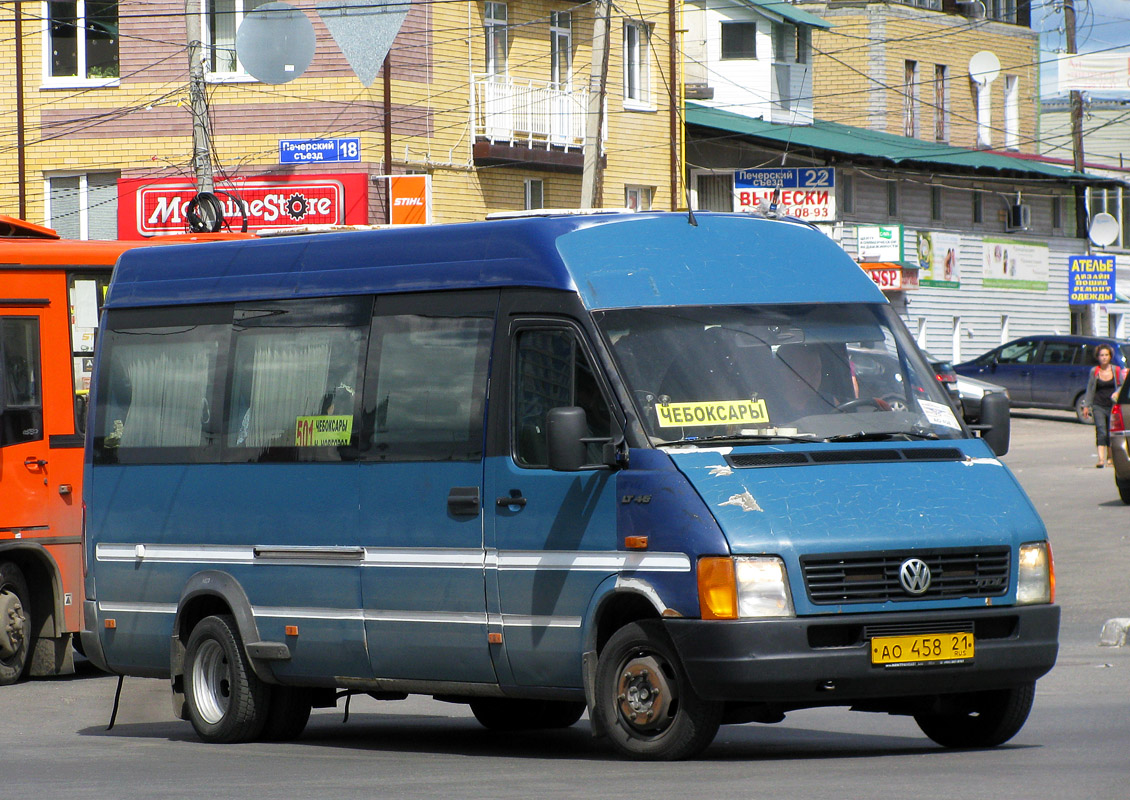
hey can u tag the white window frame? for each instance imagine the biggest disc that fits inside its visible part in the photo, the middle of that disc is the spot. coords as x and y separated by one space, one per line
910 113
561 49
1012 112
941 103
83 199
638 198
239 74
496 35
637 66
532 184
57 81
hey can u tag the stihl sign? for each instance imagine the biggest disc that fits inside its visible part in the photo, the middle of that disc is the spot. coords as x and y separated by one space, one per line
152 208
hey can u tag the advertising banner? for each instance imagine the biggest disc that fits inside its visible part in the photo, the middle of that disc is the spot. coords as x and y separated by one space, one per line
938 257
808 193
1090 279
879 242
1012 264
155 207
410 196
1094 72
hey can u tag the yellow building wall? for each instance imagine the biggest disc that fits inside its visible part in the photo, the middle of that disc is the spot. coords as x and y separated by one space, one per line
142 127
858 70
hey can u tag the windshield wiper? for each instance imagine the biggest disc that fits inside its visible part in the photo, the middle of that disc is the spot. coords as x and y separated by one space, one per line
884 436
745 437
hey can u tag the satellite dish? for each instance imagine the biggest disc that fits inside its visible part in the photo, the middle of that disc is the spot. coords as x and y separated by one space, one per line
984 67
1104 229
275 42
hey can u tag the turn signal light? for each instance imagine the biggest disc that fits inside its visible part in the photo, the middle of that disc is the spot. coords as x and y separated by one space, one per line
717 592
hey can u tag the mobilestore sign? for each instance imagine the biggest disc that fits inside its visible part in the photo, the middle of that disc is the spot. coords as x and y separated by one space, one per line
149 207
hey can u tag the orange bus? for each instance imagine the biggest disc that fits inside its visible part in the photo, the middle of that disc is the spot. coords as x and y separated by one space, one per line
51 291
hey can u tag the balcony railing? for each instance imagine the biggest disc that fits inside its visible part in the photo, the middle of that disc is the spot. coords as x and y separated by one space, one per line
533 112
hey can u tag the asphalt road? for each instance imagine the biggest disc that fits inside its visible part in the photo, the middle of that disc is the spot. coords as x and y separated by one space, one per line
54 743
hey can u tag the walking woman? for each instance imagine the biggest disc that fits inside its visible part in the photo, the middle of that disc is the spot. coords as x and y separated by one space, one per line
1101 386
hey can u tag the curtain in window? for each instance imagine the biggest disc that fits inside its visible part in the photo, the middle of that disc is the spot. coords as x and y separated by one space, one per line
168 405
289 380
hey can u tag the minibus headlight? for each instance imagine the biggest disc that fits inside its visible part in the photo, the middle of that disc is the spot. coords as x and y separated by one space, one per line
745 588
1036 578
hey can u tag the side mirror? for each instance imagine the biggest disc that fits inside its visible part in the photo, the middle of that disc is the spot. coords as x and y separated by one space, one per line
565 428
996 424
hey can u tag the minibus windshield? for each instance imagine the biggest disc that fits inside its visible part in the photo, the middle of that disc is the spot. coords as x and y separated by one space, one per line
813 372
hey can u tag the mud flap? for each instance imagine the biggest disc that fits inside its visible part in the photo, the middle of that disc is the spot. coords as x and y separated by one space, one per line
588 673
52 656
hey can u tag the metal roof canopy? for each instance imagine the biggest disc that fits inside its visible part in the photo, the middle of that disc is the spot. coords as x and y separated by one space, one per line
832 138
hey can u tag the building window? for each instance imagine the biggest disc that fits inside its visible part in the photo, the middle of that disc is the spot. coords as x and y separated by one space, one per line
941 103
739 40
637 198
82 39
847 193
1057 212
1001 10
637 36
224 18
983 113
892 199
910 99
535 193
84 206
1011 112
561 48
495 34
935 202
978 207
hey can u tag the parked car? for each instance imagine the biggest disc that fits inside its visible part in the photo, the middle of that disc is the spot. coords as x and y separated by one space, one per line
1044 371
1120 442
972 392
947 377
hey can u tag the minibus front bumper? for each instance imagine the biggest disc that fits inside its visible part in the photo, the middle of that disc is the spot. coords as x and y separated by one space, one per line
826 660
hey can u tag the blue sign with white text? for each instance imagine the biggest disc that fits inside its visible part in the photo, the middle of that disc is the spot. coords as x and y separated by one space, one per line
785 178
318 151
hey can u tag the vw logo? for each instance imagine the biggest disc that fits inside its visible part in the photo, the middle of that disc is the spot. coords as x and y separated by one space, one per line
914 575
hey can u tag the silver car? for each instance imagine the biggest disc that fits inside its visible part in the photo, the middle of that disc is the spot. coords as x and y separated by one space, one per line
972 391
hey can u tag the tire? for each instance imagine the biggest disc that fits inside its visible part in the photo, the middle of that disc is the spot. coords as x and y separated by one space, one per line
1079 415
226 700
981 719
287 715
505 714
645 702
1123 491
15 623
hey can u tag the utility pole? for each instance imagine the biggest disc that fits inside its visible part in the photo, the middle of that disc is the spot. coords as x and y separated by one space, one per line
201 135
592 179
1089 316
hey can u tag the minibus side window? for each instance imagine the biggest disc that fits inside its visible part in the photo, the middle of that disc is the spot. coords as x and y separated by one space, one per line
551 370
21 404
426 391
295 380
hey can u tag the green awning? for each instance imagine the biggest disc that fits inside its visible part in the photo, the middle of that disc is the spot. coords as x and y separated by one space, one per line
785 9
832 138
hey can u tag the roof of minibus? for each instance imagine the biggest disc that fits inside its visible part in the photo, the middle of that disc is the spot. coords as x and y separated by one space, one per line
611 260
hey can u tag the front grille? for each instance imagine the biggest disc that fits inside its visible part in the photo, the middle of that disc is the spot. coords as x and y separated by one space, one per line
874 577
800 458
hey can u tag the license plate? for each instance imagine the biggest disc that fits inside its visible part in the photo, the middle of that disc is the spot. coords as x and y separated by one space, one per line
910 651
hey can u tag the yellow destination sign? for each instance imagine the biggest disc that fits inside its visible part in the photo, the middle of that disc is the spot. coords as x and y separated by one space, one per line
722 412
323 431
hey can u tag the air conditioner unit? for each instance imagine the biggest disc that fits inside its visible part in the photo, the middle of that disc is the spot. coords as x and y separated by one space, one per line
1019 217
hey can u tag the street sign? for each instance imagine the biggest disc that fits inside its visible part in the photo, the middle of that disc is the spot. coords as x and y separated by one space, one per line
319 151
806 192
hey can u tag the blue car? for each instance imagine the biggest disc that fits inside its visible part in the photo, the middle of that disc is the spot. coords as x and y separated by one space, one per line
1044 371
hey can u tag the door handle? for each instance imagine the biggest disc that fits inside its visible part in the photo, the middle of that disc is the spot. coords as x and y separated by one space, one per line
463 501
512 500
32 461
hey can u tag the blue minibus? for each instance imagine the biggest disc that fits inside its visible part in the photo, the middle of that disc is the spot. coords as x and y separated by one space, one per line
608 462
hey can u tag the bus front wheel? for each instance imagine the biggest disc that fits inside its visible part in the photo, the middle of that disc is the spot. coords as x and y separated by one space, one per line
15 623
226 700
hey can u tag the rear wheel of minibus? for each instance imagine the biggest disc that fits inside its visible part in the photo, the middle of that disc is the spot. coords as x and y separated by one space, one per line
226 700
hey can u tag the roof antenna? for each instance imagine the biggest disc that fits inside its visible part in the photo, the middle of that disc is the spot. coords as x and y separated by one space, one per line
690 211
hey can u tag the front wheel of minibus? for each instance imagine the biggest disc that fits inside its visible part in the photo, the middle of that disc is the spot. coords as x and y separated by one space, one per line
980 719
226 700
645 702
15 623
